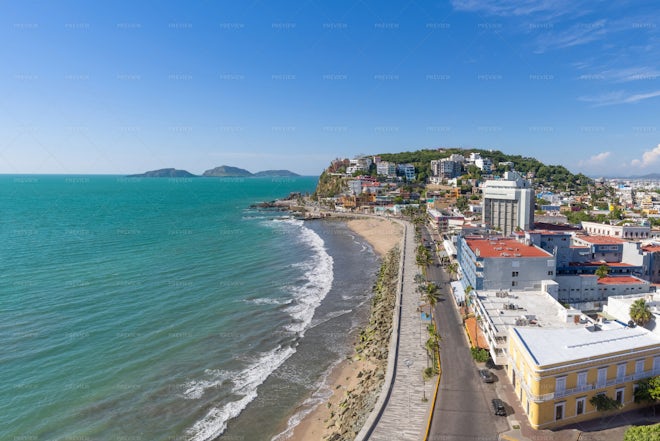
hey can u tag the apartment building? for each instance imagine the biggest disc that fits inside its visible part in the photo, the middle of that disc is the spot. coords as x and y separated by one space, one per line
492 263
508 204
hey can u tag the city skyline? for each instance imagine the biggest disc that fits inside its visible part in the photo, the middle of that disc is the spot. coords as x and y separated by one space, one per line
128 87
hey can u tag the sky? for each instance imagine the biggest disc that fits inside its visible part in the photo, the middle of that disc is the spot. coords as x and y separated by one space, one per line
128 86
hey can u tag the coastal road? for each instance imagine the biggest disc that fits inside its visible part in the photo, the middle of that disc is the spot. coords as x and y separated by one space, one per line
462 409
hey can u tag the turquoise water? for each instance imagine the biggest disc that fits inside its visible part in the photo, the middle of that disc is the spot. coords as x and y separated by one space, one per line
156 308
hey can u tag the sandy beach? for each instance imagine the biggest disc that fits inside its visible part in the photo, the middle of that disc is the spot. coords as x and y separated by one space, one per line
382 235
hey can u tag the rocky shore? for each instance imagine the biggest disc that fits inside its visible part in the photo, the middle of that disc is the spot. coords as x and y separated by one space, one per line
371 350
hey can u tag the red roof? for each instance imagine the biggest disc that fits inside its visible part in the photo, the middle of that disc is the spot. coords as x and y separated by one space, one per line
651 248
505 248
601 240
621 280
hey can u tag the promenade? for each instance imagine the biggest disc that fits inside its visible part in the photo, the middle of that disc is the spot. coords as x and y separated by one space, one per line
405 412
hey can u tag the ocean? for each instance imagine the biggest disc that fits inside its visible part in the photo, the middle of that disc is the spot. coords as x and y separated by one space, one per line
168 309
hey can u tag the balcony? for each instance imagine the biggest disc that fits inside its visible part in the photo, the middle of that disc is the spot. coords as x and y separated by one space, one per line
575 390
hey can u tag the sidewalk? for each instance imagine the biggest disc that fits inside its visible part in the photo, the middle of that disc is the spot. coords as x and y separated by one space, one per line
405 415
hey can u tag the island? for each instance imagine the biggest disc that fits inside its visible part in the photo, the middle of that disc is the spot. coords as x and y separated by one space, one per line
227 171
164 173
275 174
223 171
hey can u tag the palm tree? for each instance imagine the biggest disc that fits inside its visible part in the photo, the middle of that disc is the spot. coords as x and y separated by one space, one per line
602 271
432 296
640 312
452 268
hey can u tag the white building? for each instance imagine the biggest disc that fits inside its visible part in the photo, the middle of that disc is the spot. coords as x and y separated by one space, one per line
385 168
508 203
620 231
358 164
619 307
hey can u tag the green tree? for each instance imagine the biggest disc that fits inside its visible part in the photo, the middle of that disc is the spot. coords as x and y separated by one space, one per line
462 203
602 271
648 389
479 354
642 433
640 312
452 268
603 403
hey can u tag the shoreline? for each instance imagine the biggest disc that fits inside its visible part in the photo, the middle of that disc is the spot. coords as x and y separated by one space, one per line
345 378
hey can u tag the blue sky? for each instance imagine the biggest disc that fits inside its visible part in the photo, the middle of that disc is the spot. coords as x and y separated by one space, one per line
123 87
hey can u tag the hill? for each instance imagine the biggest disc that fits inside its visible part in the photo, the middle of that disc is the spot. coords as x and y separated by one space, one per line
227 171
164 173
555 177
275 173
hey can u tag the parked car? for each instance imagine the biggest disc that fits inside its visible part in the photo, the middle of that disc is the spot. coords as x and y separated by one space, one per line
498 407
486 376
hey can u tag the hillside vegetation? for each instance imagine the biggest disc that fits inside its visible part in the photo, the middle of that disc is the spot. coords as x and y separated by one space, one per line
555 177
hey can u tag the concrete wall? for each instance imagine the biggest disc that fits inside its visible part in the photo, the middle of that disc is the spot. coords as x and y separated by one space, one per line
499 272
576 289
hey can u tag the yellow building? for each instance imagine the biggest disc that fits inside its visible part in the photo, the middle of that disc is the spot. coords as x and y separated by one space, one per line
555 372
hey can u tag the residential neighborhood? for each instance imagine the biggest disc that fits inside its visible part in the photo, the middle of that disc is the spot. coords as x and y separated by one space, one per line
559 277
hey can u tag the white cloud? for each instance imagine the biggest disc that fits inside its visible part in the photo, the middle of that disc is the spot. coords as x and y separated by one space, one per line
595 160
649 158
618 97
549 8
631 74
575 35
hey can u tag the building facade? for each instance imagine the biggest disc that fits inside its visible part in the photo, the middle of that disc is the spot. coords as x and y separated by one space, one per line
620 231
556 372
386 168
508 204
493 263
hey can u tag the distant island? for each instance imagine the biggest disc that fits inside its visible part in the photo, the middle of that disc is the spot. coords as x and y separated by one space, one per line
223 171
227 171
164 173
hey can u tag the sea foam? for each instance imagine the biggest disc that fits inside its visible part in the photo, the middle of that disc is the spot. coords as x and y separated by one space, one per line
245 384
315 285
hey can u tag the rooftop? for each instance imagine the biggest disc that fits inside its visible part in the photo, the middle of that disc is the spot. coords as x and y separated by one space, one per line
556 227
549 232
502 247
552 346
651 248
601 240
528 308
622 280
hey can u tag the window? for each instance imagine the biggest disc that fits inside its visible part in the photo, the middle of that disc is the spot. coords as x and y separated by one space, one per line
639 366
619 395
581 379
579 405
514 283
514 274
560 385
559 411
620 371
602 377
